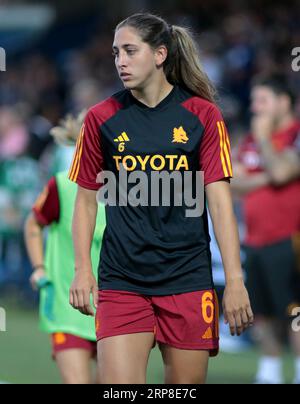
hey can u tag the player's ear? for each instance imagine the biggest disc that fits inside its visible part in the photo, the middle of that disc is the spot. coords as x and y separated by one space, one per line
160 54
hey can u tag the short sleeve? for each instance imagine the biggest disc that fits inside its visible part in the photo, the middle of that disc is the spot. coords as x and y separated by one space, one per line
46 208
88 157
214 152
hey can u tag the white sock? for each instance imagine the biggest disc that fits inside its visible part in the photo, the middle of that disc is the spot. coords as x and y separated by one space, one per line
269 370
297 370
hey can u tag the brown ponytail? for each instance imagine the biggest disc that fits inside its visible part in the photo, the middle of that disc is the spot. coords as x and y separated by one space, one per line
185 69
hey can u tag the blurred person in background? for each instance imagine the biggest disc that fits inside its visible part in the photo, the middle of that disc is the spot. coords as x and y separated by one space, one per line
82 96
19 184
85 94
43 119
73 335
267 176
14 136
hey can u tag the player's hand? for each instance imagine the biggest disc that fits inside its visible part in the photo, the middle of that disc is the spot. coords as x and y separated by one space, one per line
236 307
36 277
262 127
83 286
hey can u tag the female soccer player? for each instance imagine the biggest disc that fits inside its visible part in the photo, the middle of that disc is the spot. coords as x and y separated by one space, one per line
155 265
73 335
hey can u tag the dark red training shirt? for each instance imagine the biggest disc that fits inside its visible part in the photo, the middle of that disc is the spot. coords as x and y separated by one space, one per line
272 213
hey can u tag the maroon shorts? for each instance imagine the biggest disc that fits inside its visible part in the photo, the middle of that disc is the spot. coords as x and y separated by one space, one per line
183 321
62 342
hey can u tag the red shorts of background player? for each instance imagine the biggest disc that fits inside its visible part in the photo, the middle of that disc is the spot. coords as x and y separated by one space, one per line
62 342
183 321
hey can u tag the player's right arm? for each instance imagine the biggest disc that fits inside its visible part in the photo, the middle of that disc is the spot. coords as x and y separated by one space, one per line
45 211
84 220
34 245
87 164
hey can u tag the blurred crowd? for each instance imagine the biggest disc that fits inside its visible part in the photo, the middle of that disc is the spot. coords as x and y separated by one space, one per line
39 87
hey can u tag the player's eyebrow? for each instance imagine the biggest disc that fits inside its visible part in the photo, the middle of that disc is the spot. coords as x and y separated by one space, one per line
126 45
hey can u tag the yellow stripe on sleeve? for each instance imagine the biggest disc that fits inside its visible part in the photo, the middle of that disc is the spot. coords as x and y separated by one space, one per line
222 150
74 159
226 150
79 158
76 156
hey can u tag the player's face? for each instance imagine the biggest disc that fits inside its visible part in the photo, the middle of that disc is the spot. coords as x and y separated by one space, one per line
264 102
135 60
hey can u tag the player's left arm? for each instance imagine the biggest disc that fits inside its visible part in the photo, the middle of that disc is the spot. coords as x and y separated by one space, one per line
236 304
282 167
215 162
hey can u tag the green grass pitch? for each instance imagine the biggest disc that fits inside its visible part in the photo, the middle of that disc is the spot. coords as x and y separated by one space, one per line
25 357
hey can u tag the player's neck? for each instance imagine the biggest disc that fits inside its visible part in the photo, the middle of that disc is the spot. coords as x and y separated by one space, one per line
285 122
153 93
